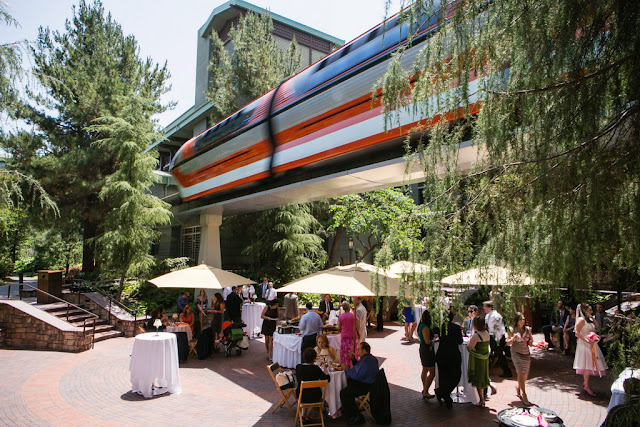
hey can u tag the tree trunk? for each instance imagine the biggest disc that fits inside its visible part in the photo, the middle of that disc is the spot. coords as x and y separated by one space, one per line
120 288
88 249
334 246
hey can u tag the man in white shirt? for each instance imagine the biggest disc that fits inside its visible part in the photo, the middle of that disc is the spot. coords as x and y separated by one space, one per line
271 293
248 291
310 324
495 327
361 319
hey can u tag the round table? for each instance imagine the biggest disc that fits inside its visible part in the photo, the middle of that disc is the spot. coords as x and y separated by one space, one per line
618 396
181 328
464 392
337 383
154 364
286 348
251 317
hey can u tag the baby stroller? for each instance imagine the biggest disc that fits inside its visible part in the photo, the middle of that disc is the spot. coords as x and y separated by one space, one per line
233 336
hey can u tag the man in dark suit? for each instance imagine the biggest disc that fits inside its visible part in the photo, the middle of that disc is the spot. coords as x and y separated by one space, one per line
261 289
326 305
558 318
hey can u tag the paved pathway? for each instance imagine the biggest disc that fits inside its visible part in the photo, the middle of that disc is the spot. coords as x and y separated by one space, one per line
43 388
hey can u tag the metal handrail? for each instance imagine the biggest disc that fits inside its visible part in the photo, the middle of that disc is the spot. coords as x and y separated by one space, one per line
84 321
121 305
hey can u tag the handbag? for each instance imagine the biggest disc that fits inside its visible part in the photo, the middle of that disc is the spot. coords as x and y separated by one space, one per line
286 379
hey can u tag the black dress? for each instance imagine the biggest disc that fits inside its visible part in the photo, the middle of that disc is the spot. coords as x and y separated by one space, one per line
449 359
269 326
306 372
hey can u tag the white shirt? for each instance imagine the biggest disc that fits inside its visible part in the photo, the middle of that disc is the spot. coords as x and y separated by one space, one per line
361 317
495 326
248 291
270 294
225 292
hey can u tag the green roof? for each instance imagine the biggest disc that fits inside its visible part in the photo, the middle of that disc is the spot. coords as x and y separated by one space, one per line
248 6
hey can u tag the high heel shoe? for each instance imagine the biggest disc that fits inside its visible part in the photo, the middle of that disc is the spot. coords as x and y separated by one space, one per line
518 392
589 392
525 400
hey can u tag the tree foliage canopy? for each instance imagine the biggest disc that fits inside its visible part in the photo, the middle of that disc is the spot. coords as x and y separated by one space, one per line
550 93
254 67
89 71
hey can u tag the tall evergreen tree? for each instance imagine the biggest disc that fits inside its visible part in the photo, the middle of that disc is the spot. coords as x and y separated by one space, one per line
88 71
130 225
255 66
557 193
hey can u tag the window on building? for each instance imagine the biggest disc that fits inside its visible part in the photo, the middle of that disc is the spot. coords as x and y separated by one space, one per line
191 243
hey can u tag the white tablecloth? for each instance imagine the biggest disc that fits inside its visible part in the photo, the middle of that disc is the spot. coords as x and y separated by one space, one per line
251 317
286 348
418 309
181 328
154 364
337 383
465 392
617 390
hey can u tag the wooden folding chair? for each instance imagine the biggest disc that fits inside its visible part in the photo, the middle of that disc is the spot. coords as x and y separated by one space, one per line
363 403
284 394
320 404
192 347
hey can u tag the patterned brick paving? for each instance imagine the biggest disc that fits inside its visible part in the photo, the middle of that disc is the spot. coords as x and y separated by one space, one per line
41 388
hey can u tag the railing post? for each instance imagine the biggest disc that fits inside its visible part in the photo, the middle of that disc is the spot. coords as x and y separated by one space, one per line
68 305
9 291
110 309
135 322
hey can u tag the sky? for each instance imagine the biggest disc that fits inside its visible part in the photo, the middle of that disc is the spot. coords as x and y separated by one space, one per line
166 30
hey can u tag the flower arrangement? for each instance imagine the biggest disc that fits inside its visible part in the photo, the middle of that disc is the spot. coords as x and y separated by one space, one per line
593 337
541 345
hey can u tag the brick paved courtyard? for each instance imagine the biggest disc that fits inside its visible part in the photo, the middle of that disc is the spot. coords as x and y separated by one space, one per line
42 388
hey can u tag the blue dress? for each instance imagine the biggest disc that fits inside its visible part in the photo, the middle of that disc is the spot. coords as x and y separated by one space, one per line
408 314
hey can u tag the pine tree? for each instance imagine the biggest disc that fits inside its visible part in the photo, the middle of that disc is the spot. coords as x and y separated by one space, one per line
88 71
130 225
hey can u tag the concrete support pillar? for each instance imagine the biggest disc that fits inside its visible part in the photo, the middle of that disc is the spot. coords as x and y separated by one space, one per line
210 254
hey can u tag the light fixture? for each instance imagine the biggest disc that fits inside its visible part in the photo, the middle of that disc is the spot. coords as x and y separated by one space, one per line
157 323
350 243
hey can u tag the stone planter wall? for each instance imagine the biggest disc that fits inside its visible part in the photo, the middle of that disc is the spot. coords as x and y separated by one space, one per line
98 304
25 326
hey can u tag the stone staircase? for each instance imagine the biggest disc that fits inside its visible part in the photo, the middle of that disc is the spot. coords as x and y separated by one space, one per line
76 318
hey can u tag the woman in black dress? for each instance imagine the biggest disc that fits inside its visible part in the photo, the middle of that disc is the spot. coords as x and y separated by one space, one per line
269 317
217 308
307 371
449 360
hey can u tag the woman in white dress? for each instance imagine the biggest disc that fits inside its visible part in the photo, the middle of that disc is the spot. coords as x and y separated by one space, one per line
589 359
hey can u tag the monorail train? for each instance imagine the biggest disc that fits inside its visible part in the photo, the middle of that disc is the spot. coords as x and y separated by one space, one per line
321 114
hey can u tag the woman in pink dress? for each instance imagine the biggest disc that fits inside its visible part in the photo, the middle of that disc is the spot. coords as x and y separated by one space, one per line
348 336
588 360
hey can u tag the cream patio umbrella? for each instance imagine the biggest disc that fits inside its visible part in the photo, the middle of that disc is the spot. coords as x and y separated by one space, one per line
408 267
490 275
200 277
350 280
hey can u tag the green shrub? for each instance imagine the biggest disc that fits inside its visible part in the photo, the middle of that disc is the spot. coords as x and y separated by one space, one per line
6 267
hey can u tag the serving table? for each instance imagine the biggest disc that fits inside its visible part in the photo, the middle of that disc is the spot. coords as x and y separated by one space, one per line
618 396
181 328
154 364
251 316
286 348
464 392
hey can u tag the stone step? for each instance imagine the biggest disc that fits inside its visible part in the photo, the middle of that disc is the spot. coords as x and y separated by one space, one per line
53 306
79 323
101 336
75 317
